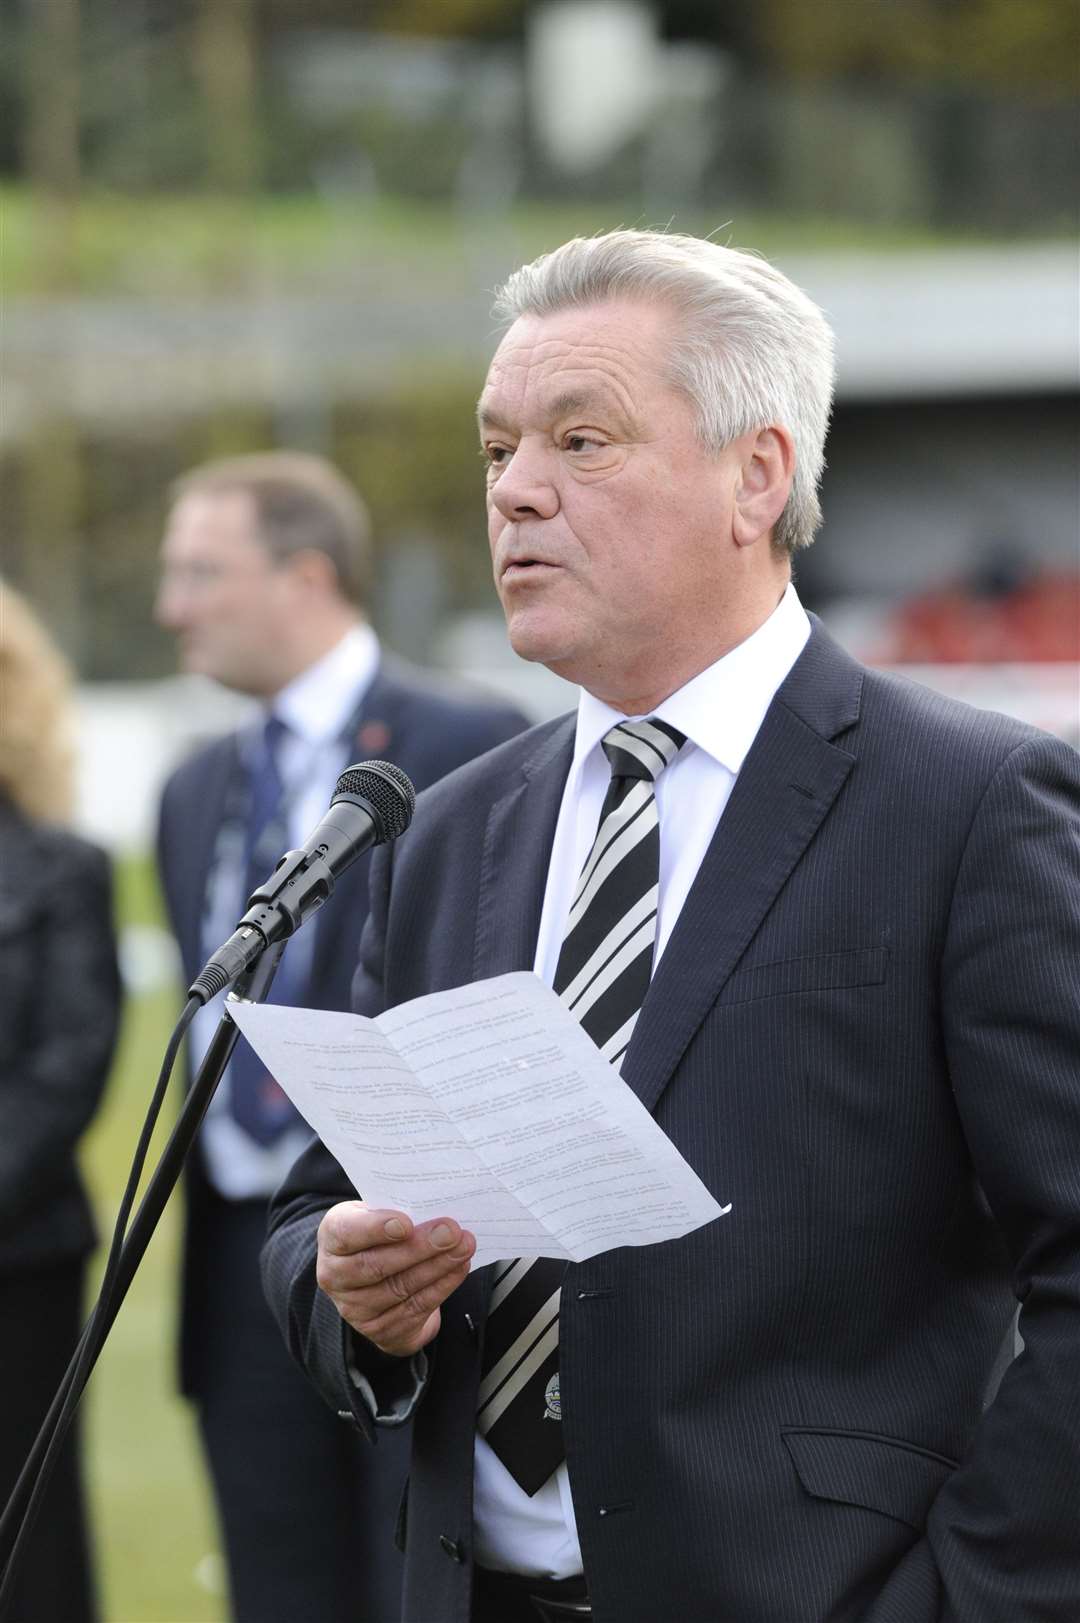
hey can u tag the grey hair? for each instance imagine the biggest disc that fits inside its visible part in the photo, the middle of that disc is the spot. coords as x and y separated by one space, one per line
753 349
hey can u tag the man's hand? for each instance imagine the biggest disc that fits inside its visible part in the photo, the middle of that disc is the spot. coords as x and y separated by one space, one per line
387 1276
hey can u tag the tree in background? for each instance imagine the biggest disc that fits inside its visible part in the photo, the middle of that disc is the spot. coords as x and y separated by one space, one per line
52 472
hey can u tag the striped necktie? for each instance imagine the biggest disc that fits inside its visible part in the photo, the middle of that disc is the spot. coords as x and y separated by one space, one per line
603 973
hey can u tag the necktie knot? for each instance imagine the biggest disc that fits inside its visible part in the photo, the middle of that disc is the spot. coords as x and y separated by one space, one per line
642 749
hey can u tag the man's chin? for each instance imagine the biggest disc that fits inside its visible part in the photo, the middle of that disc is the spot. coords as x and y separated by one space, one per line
204 669
531 644
208 670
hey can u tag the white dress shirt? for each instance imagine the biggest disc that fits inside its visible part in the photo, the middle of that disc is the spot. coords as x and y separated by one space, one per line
315 707
720 712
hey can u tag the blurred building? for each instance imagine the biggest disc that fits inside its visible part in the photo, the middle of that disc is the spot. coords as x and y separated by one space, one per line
231 224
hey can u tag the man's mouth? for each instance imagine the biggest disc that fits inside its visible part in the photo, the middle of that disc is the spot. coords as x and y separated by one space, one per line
524 566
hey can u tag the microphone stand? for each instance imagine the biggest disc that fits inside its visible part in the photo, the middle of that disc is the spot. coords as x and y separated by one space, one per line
250 987
16 1523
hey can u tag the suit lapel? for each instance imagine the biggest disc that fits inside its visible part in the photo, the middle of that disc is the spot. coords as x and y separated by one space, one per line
331 948
375 737
379 717
787 784
514 863
204 814
513 876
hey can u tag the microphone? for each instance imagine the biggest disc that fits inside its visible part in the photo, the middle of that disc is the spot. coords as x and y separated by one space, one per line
372 803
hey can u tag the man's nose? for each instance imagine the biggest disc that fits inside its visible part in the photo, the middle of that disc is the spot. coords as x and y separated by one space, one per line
525 487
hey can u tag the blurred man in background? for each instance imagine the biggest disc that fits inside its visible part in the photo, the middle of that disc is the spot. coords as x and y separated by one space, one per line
266 572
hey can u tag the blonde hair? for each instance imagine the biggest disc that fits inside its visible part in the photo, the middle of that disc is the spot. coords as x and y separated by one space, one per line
37 755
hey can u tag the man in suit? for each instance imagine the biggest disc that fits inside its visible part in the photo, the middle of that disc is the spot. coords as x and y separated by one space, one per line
862 1029
265 577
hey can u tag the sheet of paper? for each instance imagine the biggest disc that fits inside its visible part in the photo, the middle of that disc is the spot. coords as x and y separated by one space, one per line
490 1104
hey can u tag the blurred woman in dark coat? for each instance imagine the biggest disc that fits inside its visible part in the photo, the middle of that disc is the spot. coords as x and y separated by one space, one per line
59 997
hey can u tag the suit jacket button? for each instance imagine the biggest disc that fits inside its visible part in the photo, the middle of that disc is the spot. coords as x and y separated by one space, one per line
452 1547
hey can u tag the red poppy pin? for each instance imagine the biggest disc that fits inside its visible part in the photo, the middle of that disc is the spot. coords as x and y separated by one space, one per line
373 737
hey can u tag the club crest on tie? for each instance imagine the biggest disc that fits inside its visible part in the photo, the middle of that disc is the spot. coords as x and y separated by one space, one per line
552 1400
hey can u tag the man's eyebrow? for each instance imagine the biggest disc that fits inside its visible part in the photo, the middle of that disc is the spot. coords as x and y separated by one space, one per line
573 400
487 418
561 405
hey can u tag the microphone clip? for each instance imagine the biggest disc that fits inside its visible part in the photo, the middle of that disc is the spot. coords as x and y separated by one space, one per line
299 884
286 896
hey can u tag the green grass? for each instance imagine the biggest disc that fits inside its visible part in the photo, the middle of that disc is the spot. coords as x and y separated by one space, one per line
157 1546
190 245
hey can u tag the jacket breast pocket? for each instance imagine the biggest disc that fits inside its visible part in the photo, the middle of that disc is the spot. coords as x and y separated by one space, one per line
825 972
878 1473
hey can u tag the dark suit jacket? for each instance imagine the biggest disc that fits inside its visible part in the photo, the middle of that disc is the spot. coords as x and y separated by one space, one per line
865 1034
60 1000
425 727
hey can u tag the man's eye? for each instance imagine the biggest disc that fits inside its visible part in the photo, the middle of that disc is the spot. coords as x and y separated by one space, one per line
497 455
577 443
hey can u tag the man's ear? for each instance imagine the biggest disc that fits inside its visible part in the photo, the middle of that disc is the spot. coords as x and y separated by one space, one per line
314 571
765 476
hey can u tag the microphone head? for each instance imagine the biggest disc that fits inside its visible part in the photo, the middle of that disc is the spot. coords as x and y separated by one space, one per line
388 791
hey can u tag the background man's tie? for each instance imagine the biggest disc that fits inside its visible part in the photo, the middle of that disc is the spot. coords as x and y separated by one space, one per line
256 1101
603 974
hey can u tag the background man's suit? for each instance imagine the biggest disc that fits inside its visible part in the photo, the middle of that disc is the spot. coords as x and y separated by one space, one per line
340 1506
865 1034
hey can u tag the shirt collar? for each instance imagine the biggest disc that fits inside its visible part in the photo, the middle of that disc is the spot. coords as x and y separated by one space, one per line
317 704
720 709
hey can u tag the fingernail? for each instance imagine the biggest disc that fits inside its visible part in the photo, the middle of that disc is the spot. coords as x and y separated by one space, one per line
442 1236
394 1229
